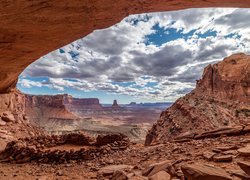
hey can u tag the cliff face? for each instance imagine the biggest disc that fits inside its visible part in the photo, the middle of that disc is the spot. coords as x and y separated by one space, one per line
45 107
221 98
13 102
84 103
31 29
14 122
228 80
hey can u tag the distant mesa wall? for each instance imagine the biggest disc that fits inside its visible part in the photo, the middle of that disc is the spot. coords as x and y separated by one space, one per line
83 103
56 101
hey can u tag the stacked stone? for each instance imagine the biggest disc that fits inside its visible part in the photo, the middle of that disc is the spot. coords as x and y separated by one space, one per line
34 149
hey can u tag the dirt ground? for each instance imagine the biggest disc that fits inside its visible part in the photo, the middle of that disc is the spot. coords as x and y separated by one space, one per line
137 156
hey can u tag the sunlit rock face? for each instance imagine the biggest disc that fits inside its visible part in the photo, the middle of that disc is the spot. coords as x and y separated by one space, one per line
229 79
47 108
31 29
13 103
220 99
14 122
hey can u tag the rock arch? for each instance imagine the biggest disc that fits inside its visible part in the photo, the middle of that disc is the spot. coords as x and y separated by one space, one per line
31 29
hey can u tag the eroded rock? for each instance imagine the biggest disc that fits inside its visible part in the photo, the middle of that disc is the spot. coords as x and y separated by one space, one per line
245 166
204 172
222 93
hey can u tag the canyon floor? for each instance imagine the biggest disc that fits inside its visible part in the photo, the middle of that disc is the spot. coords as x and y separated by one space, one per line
133 122
134 162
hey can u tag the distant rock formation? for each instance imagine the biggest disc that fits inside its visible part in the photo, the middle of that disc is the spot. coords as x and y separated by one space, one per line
221 98
46 107
115 105
83 103
132 103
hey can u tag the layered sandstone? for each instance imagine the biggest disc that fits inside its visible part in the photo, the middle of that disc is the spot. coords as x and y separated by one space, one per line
221 99
83 103
40 107
14 122
31 29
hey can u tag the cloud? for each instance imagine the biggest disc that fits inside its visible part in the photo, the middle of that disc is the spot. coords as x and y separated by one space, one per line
120 60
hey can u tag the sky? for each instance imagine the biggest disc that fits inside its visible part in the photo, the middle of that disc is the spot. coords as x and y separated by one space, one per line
155 57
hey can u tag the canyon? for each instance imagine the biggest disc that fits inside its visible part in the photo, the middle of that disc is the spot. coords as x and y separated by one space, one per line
31 29
62 114
204 134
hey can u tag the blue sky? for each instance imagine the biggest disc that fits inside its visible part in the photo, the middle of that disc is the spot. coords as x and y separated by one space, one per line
154 57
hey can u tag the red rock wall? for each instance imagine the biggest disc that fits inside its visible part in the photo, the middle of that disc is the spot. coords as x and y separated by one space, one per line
84 103
47 107
229 79
31 29
221 99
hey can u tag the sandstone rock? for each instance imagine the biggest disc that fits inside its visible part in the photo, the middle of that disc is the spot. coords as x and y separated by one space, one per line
226 148
204 172
220 131
230 152
137 177
83 103
2 123
161 175
208 155
245 166
155 168
115 105
223 158
43 108
109 170
244 151
119 175
241 175
102 140
59 173
186 135
8 117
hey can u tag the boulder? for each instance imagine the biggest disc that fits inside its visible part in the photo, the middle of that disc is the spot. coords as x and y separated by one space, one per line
109 170
226 148
244 151
223 158
204 172
162 175
119 175
102 140
157 167
209 155
137 177
245 166
240 174
236 130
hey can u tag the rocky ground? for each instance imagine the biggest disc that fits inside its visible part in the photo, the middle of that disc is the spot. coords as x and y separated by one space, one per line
211 158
